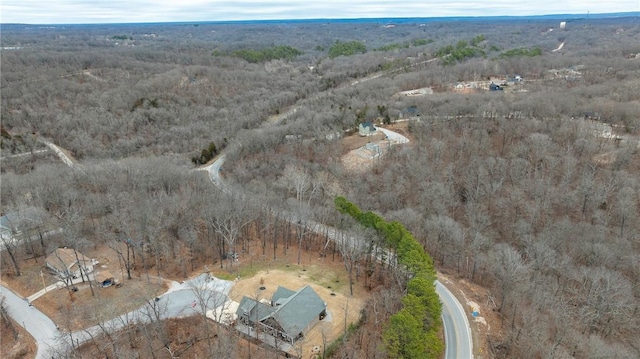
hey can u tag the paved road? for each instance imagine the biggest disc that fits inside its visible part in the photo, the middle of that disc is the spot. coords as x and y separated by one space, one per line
41 328
214 171
393 136
457 333
24 154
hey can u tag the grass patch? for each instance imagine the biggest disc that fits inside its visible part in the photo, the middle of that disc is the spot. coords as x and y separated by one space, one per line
249 268
30 281
336 281
521 52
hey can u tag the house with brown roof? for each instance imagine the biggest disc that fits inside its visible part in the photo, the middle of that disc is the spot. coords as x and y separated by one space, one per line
68 263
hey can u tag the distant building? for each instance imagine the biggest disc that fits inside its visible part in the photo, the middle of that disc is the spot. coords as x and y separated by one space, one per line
409 112
14 223
514 79
366 129
563 25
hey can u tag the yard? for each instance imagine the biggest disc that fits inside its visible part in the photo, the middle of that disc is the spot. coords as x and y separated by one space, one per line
326 275
331 286
79 309
359 159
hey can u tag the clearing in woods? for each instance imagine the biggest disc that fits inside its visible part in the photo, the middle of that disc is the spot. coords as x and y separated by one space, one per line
326 275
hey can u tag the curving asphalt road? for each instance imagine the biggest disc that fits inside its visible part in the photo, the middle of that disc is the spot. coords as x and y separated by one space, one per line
41 328
177 302
457 333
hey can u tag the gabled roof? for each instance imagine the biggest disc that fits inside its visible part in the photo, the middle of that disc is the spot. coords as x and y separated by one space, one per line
256 311
62 259
246 305
26 217
281 295
298 310
294 310
369 125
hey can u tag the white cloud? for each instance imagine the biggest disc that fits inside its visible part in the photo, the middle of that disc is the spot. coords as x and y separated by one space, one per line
100 11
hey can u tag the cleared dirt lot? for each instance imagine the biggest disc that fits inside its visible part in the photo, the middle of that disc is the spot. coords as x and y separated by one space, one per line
339 305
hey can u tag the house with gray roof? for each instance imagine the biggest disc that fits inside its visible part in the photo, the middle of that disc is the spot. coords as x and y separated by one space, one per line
14 223
366 129
289 314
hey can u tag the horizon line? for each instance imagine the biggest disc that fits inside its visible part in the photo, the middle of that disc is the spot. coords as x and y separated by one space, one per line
569 16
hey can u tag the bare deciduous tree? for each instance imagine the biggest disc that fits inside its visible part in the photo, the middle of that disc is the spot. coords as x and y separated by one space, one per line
229 216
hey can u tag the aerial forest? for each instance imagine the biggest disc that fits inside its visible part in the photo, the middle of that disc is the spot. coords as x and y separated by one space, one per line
521 174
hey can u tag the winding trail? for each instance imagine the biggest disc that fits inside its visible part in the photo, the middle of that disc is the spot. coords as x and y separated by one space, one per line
59 152
558 48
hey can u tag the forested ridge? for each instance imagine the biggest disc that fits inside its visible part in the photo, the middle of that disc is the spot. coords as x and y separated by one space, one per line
532 192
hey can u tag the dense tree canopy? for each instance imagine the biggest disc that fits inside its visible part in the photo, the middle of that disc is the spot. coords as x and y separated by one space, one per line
531 193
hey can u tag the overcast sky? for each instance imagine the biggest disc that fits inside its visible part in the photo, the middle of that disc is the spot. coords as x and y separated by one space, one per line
119 11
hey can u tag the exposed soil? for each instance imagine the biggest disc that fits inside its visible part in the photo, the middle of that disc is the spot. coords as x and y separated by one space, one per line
476 299
15 342
339 305
326 275
354 141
